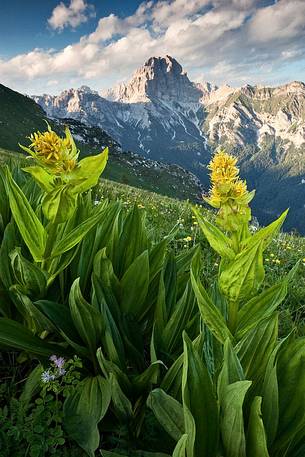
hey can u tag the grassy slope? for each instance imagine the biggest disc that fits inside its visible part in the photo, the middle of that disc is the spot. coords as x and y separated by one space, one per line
20 116
164 213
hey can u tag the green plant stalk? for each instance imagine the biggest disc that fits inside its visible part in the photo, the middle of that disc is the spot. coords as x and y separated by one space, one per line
50 242
232 315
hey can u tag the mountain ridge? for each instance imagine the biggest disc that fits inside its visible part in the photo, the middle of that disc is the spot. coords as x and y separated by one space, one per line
161 114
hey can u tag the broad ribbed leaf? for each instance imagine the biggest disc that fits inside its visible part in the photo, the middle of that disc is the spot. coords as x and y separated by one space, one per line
71 239
149 376
210 314
88 171
61 318
291 382
87 319
84 409
231 370
59 204
15 335
179 319
266 234
8 245
232 421
134 286
263 305
168 411
199 398
30 227
41 176
180 449
256 347
132 242
93 242
242 278
270 395
217 239
29 276
122 405
256 436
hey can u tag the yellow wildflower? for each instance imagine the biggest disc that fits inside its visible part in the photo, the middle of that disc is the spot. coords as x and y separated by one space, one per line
228 192
52 151
239 188
226 184
223 168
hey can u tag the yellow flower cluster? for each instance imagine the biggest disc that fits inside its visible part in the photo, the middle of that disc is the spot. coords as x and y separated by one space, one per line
52 151
226 184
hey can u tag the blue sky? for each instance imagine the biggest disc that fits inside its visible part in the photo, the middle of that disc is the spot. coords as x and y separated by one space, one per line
50 45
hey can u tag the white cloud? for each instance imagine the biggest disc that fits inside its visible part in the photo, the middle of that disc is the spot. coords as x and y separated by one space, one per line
284 19
73 15
234 41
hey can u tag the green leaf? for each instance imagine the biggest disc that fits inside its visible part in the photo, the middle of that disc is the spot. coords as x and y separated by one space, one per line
29 276
263 305
8 244
180 448
260 307
30 227
291 381
121 403
216 238
256 347
168 411
87 319
134 286
242 278
210 314
270 395
84 409
88 171
231 371
93 242
149 376
71 239
256 436
15 335
60 317
59 204
132 242
44 179
232 421
33 317
179 320
266 234
199 398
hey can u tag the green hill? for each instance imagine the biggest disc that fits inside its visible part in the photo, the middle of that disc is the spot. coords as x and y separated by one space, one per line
20 116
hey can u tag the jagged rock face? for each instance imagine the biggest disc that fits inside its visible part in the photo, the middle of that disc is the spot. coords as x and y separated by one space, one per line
161 78
258 115
157 113
164 116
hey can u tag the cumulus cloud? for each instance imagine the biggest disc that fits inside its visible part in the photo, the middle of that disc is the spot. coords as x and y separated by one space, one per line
73 15
233 41
283 20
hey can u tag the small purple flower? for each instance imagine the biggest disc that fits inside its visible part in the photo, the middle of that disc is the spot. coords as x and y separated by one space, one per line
58 361
47 377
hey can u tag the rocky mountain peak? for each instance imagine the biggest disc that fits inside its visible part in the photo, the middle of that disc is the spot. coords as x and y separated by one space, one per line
160 77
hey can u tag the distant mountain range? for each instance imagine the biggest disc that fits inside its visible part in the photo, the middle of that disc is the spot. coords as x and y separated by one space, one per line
163 115
20 116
